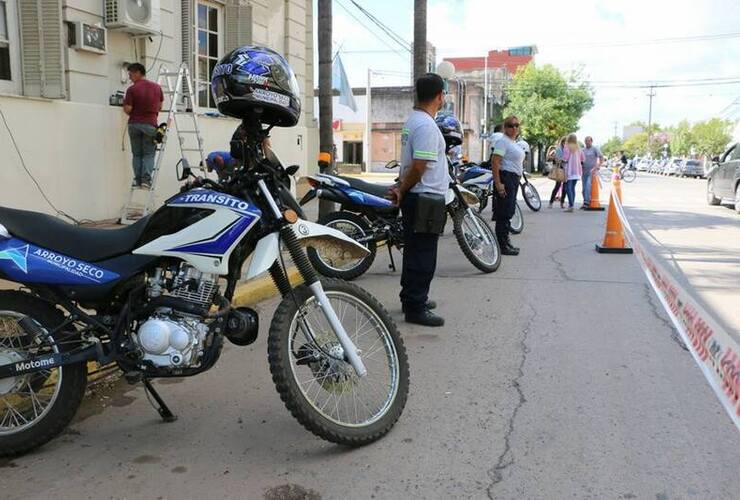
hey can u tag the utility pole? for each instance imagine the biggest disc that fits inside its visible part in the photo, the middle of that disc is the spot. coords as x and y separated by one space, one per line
368 123
651 94
420 38
326 112
615 128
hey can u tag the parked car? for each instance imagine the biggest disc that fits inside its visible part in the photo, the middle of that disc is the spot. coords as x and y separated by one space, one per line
672 167
643 165
691 168
723 180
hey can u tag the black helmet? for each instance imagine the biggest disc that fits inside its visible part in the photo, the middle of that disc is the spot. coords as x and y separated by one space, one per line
450 128
257 80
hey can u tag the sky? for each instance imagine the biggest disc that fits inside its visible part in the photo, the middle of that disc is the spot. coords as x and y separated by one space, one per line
570 35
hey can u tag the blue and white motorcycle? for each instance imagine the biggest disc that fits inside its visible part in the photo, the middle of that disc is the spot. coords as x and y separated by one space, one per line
155 299
371 219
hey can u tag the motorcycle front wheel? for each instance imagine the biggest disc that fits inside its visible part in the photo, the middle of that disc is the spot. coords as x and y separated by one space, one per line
479 246
531 196
354 226
314 380
517 220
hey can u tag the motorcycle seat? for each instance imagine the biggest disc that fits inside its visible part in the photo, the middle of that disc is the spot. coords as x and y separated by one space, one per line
82 243
367 187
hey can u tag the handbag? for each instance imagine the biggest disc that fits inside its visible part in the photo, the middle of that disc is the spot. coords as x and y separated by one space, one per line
431 214
557 174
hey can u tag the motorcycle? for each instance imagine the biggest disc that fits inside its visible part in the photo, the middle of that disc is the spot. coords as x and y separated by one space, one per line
148 298
479 181
372 220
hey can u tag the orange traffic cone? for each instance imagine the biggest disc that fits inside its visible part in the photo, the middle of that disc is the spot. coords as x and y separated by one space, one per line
595 203
614 240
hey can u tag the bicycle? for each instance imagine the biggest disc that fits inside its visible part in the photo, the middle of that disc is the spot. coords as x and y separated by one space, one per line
624 174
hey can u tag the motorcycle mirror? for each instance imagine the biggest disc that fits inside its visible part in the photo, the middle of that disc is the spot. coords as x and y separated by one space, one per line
186 171
292 169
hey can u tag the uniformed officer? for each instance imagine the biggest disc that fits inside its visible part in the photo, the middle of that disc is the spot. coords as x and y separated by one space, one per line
424 172
507 161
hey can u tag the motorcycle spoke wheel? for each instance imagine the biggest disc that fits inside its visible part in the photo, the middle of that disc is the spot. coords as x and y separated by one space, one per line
479 246
317 383
531 197
24 399
517 220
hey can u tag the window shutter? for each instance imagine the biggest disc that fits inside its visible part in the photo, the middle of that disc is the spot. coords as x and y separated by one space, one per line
238 26
42 56
188 23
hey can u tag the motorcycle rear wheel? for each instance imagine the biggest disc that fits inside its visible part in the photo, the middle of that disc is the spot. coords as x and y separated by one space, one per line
321 389
36 407
355 227
517 220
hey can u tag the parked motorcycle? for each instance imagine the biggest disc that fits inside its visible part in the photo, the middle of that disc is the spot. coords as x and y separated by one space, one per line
479 181
149 298
372 220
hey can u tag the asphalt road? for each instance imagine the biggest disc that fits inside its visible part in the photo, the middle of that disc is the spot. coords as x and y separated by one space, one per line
558 376
698 243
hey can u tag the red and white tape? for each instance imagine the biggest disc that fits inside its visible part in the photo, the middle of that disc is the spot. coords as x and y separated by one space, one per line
713 349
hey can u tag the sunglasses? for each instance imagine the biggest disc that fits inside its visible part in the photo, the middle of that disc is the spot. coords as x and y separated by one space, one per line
512 125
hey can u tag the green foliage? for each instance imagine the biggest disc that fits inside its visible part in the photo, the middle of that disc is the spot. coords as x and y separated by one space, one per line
638 144
681 138
710 137
612 146
548 103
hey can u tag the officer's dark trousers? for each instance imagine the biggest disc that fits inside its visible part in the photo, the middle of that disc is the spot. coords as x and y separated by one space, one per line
506 205
419 259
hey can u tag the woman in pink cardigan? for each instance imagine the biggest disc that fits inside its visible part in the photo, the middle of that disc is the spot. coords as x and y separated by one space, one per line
573 158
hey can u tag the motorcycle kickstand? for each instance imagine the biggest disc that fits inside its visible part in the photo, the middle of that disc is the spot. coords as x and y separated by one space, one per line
392 265
162 409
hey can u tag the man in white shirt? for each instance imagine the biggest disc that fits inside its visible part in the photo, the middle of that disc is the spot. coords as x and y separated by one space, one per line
423 170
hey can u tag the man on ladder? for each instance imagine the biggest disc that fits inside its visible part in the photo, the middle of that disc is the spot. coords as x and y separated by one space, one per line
178 87
142 104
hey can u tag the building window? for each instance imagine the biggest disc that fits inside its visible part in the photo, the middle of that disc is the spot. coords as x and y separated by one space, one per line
352 153
521 51
209 48
10 72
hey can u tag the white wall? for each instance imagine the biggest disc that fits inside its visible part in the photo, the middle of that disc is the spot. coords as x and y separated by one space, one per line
73 148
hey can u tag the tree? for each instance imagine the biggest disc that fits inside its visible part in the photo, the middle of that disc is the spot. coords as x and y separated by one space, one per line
612 146
681 138
548 103
711 137
326 111
420 38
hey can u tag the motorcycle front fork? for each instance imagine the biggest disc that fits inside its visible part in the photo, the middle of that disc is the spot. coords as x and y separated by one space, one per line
311 278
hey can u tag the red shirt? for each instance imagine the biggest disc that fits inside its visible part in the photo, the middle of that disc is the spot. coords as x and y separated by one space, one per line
145 97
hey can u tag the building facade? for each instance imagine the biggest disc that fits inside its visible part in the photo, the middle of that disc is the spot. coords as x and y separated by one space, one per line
62 60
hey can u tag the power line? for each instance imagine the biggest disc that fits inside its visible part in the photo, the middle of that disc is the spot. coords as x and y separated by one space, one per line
388 31
382 40
654 41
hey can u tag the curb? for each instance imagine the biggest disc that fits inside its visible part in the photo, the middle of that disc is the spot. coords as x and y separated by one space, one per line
259 289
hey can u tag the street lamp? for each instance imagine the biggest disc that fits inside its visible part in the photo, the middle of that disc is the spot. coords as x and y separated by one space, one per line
446 70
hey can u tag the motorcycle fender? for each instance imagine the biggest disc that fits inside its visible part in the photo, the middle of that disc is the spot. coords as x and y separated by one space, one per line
470 198
310 195
309 234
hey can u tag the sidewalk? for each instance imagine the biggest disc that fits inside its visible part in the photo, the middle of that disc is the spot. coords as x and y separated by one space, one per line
557 376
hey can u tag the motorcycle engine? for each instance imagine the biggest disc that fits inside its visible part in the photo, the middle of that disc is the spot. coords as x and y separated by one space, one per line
173 336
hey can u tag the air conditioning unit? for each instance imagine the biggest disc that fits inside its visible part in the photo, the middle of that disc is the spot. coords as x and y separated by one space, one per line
138 17
89 37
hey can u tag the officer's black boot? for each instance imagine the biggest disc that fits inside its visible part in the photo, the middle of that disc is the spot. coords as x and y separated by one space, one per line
506 247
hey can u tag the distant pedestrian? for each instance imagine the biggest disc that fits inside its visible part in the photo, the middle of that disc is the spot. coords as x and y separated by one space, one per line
424 180
142 104
623 158
559 163
507 162
573 157
592 160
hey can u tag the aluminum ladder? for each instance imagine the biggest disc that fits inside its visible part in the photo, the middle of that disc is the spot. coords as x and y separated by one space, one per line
177 87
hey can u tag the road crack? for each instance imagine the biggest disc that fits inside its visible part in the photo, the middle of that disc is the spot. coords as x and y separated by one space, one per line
656 309
559 266
506 458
